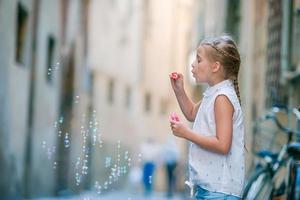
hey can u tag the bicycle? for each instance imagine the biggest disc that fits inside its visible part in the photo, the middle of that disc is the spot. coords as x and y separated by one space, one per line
263 183
293 191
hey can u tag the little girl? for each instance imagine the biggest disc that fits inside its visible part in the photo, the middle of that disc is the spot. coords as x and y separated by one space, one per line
216 153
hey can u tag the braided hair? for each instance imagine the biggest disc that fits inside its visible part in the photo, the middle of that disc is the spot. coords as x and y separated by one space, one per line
224 50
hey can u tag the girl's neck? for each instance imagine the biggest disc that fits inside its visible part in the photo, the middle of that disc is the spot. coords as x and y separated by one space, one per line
215 81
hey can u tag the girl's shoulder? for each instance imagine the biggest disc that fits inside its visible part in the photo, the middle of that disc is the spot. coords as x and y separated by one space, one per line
229 93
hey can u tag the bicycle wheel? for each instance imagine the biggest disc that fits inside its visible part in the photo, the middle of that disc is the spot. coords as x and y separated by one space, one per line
293 192
259 185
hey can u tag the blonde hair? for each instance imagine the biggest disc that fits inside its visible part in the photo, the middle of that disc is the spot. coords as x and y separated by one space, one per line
224 50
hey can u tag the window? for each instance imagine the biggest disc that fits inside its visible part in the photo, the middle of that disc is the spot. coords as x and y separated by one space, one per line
111 88
233 18
295 36
163 106
128 94
147 102
50 55
275 91
22 18
148 23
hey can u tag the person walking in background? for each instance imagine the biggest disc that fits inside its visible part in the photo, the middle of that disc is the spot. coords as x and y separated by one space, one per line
216 153
149 151
135 178
170 157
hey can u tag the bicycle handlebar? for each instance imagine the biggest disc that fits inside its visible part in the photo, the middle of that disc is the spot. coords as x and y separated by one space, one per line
278 124
280 107
295 111
273 117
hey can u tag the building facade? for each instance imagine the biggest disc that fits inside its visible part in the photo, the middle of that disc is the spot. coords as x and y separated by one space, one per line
42 70
134 45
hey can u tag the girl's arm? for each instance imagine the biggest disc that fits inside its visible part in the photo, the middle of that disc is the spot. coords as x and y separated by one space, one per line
187 106
221 143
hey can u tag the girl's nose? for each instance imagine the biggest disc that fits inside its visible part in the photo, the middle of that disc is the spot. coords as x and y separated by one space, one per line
193 64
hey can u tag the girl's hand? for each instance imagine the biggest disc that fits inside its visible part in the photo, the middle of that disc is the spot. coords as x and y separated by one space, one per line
179 129
177 84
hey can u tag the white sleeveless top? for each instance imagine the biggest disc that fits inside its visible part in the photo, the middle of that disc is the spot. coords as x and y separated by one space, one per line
212 171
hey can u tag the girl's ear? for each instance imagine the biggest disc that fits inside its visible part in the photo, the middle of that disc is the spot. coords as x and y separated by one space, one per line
216 66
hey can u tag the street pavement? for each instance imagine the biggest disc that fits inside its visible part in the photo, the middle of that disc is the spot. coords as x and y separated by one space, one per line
119 195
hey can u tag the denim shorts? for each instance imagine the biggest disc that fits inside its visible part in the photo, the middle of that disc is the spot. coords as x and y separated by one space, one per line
202 194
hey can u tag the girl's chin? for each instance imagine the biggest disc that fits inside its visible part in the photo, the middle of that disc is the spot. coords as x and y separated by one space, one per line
199 81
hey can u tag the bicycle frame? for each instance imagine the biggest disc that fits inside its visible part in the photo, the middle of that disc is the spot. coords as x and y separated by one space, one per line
293 163
293 191
269 174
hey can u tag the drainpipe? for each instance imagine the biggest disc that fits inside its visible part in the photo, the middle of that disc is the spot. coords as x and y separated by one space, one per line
289 71
286 45
286 51
29 137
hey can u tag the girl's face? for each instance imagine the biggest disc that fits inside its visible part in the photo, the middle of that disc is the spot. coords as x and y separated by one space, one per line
202 66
